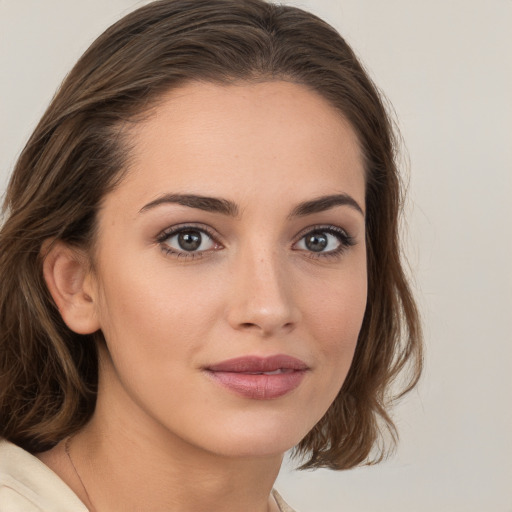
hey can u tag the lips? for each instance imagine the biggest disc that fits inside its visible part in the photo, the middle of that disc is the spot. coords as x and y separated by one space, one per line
259 378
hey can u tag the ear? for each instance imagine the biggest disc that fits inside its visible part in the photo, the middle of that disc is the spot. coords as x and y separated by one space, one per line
69 279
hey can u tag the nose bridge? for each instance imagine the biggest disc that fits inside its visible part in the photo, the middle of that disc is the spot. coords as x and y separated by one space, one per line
263 293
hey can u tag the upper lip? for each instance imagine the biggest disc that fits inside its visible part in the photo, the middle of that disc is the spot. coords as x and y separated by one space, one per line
258 364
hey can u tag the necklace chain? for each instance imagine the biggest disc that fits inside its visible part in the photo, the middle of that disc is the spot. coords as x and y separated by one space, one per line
92 508
66 449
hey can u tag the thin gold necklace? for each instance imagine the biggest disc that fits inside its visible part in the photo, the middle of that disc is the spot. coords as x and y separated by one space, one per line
66 448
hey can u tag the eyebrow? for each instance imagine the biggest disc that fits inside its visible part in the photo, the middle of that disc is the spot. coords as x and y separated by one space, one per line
227 207
208 204
324 203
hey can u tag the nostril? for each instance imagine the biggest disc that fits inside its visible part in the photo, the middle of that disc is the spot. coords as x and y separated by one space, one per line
265 329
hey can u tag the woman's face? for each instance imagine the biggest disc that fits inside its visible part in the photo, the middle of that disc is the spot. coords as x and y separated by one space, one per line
230 268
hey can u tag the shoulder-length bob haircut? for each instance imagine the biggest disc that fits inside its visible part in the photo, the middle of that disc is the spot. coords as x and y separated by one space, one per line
77 154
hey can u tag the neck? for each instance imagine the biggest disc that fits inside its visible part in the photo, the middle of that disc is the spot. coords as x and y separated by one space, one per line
119 474
126 461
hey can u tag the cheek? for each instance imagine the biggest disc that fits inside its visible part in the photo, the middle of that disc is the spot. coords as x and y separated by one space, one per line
335 318
155 327
155 312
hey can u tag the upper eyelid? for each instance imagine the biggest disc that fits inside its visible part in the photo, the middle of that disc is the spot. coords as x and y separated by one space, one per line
172 230
322 227
212 233
345 239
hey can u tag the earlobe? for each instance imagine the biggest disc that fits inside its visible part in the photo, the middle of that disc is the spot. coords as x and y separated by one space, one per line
68 278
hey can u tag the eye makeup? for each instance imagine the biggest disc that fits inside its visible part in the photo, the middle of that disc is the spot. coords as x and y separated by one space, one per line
191 241
314 239
188 241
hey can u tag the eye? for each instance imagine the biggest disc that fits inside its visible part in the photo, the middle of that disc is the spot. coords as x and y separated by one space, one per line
187 241
325 241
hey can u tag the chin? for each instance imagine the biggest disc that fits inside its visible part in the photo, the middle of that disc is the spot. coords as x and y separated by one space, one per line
254 447
254 437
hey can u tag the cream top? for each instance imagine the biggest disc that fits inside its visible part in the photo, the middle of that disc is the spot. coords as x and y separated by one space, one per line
28 485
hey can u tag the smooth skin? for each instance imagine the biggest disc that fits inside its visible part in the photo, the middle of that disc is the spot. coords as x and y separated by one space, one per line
178 284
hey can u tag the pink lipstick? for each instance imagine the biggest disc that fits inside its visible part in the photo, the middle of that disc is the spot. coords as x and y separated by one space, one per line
260 378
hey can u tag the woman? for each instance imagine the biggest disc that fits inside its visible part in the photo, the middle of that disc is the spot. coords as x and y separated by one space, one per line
200 267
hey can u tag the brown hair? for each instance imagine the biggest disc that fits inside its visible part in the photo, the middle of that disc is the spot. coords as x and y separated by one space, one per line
48 374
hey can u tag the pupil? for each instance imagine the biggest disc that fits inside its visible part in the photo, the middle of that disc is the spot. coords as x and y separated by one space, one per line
189 240
316 242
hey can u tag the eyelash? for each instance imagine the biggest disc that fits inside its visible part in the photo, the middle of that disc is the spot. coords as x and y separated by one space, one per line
176 230
345 241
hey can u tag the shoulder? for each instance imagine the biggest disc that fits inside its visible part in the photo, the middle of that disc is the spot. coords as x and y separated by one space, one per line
28 485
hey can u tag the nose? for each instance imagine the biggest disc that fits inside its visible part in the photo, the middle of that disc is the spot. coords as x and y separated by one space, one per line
263 296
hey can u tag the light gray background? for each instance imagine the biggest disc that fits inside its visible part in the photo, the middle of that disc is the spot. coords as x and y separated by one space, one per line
445 65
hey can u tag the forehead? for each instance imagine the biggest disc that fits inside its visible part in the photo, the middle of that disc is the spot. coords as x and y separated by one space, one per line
243 139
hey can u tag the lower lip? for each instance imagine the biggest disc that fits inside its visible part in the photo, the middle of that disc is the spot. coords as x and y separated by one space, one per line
260 387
